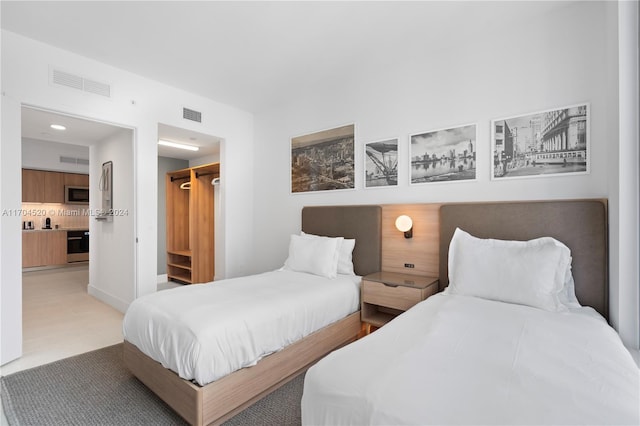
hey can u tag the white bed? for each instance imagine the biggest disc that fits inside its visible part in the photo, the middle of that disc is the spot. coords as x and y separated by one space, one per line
507 342
207 331
465 360
211 350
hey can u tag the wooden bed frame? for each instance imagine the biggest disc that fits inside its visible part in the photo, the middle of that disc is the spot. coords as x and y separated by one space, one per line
222 399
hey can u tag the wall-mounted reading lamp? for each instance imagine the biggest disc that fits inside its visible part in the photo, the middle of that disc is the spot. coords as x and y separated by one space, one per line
405 224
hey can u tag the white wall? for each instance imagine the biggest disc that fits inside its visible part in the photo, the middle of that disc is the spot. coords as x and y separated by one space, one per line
11 261
624 187
137 103
112 251
6 315
553 61
45 155
207 159
563 58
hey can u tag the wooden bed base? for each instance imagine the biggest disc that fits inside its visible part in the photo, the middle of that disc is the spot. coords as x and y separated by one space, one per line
220 400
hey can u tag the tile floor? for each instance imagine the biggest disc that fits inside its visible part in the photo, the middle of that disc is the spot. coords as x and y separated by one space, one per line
60 319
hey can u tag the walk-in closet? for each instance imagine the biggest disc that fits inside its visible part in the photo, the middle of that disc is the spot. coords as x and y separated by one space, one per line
191 223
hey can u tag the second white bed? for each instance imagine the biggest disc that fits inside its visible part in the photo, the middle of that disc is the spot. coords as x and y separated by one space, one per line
204 332
456 359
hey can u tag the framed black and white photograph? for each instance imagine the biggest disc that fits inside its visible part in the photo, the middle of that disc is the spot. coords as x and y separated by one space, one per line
381 163
547 143
323 161
444 155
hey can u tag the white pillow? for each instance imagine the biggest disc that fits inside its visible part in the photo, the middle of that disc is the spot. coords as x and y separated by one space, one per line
529 273
345 258
567 295
345 253
318 256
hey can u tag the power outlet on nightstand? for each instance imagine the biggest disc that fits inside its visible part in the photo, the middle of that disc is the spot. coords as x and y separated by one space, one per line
409 265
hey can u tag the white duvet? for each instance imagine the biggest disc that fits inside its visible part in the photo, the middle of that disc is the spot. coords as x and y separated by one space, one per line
464 360
206 331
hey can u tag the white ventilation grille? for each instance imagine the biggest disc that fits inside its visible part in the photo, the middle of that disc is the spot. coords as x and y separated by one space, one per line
97 88
189 114
73 81
66 79
73 160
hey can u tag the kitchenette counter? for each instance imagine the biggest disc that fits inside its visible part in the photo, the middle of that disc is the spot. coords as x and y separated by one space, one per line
50 247
54 229
44 230
44 247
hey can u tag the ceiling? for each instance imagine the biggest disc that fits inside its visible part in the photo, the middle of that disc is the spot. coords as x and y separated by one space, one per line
251 55
36 124
208 145
254 55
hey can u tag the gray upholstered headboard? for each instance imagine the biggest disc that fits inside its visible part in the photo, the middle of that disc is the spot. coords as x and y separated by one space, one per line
580 224
364 223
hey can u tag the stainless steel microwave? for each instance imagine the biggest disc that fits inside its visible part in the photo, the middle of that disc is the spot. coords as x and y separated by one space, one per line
76 195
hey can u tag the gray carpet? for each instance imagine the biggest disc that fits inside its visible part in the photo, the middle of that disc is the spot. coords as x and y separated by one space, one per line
96 389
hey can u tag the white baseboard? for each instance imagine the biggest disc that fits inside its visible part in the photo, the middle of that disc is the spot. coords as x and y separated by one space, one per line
120 305
163 278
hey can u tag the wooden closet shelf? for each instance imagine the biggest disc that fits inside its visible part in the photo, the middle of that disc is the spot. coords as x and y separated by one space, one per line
186 277
182 265
186 253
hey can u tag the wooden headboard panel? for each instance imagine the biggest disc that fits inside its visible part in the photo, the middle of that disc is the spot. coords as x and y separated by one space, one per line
360 222
580 224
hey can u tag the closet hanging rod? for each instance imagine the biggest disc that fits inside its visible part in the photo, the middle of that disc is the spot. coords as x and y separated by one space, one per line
179 178
205 174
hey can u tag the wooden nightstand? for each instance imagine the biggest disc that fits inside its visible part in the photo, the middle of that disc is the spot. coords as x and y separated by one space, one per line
386 295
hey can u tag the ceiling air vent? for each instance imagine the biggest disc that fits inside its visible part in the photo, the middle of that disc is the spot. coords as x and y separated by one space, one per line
77 82
97 88
73 160
189 114
65 79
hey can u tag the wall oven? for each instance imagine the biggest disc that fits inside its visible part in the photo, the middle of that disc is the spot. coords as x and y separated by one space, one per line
77 246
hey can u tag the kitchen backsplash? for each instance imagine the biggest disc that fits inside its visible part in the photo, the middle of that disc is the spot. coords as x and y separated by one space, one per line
64 215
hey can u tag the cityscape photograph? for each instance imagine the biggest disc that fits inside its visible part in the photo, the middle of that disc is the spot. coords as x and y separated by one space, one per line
444 155
546 143
323 161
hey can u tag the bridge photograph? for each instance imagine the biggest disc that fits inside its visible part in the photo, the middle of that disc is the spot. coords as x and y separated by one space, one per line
381 163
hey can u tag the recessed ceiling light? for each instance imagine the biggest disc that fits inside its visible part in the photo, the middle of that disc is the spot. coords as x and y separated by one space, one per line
178 145
58 127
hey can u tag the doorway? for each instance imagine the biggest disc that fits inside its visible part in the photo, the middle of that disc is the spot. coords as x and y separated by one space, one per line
67 305
172 158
